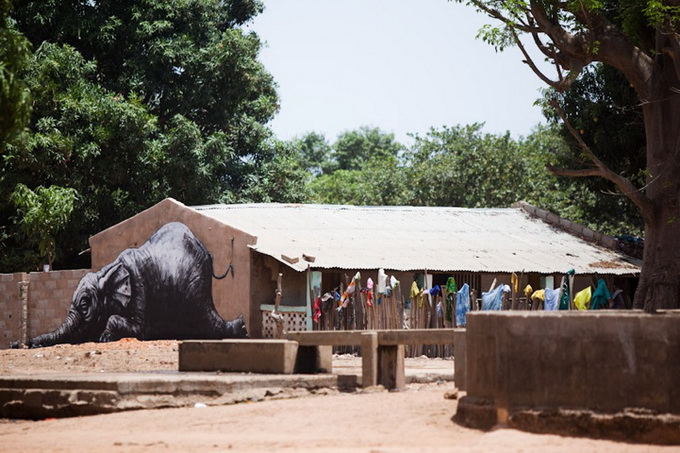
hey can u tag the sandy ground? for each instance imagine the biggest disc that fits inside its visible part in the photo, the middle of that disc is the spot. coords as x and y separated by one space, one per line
417 419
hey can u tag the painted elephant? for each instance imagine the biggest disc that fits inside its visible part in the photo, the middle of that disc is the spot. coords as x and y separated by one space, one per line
161 290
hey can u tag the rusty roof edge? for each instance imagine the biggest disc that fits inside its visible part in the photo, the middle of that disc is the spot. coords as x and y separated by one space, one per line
574 228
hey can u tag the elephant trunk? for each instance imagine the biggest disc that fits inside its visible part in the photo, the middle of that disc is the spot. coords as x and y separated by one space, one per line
66 333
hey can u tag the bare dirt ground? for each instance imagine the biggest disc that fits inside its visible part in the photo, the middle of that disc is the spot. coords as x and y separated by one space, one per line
418 419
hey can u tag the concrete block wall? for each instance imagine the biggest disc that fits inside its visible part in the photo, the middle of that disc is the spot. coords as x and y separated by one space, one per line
49 298
10 308
604 362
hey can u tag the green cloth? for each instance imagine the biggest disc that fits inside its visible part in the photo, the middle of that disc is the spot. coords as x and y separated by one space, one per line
451 290
564 299
601 296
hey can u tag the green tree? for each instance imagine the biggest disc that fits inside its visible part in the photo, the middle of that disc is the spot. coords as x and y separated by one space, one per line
134 102
314 152
640 39
84 137
15 107
354 148
379 182
462 166
598 102
43 213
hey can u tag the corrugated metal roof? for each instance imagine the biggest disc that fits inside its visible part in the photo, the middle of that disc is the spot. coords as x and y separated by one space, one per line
415 238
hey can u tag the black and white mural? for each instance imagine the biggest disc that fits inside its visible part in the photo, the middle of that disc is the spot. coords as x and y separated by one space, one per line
161 290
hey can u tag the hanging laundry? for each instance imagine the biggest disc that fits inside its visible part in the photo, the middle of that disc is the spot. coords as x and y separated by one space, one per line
382 281
462 305
493 300
448 313
601 296
551 299
369 283
350 290
415 294
435 291
514 281
317 310
440 309
394 282
451 290
388 291
451 285
506 288
617 298
582 298
539 294
528 290
564 299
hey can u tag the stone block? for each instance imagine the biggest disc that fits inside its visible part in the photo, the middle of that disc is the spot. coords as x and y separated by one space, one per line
245 356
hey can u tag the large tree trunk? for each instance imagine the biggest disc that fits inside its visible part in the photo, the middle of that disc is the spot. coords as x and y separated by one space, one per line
660 280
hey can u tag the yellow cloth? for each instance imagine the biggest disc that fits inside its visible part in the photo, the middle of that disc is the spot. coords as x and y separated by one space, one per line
528 290
539 294
414 290
582 299
515 282
416 294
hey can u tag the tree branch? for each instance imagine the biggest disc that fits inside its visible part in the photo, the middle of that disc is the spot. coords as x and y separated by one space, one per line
574 173
559 85
601 169
495 14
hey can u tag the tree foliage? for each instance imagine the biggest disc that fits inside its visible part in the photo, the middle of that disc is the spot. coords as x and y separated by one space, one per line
137 101
15 105
43 213
598 102
641 39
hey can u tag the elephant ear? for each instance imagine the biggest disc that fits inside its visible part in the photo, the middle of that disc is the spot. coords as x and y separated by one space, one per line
115 285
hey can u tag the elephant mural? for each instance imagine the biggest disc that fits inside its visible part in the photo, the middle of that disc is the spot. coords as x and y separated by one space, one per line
161 290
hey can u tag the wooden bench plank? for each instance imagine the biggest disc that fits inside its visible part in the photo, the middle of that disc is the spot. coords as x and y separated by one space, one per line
327 337
415 336
385 337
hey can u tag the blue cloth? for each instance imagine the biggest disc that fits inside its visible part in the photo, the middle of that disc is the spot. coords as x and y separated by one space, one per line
462 304
493 300
552 299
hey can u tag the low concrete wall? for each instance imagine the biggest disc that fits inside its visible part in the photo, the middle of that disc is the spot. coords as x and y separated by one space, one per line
604 362
47 301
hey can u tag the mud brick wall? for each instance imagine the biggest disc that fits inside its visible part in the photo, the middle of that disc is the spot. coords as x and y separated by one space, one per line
49 298
10 308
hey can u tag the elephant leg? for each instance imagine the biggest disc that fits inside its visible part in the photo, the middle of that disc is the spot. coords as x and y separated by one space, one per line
118 327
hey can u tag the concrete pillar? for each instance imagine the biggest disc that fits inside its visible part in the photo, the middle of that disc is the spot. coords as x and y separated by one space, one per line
369 359
391 367
459 358
23 299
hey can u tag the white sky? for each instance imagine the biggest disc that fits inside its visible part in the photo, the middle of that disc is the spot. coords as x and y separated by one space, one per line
400 65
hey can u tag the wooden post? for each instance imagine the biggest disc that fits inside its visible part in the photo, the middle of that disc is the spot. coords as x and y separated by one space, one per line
279 330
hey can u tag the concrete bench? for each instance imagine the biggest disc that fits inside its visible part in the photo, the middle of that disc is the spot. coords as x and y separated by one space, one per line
255 356
382 351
